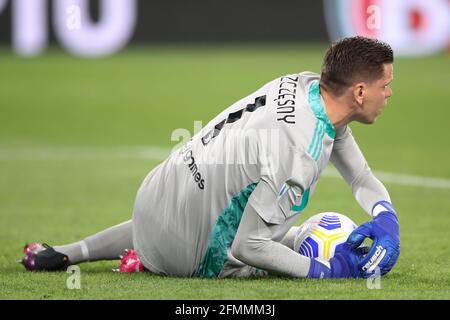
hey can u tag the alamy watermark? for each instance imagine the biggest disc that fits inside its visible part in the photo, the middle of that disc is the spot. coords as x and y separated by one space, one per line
237 147
74 280
374 281
373 21
73 21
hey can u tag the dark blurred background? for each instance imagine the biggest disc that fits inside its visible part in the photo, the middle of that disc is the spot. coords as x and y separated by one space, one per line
97 28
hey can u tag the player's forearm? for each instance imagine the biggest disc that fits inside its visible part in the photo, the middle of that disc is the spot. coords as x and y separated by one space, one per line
254 246
368 190
350 162
273 257
288 239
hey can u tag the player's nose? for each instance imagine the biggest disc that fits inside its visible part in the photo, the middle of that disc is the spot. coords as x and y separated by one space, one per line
389 93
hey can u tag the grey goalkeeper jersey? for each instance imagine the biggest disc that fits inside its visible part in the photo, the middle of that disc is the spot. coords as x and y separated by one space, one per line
189 208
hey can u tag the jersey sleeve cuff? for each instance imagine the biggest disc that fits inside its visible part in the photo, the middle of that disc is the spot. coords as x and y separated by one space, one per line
382 206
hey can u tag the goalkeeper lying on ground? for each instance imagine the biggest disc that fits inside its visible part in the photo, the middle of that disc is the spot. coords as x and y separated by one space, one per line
232 193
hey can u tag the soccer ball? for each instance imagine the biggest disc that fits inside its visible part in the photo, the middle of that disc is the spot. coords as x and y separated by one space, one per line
322 234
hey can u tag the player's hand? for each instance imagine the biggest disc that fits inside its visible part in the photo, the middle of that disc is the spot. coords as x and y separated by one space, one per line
385 249
344 264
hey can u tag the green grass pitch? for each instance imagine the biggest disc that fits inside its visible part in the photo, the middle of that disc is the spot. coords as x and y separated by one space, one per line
71 129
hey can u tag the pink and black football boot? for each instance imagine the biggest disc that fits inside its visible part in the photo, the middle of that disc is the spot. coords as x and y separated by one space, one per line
130 262
42 257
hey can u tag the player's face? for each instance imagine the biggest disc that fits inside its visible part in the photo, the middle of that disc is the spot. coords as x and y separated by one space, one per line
377 94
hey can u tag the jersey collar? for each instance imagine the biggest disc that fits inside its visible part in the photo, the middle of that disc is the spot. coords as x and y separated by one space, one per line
317 107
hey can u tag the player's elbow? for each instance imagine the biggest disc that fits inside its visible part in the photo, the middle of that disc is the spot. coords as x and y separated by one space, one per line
247 250
240 249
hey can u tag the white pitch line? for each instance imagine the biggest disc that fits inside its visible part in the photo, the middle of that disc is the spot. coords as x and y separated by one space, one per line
161 153
399 178
79 153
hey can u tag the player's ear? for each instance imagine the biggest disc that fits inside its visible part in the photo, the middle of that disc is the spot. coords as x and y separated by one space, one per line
359 92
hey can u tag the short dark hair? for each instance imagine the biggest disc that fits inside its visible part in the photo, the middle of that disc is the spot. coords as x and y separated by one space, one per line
354 59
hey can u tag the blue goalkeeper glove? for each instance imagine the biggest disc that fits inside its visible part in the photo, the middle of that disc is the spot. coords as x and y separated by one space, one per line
384 231
344 264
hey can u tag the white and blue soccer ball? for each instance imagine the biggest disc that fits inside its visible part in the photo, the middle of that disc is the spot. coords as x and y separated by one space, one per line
323 234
